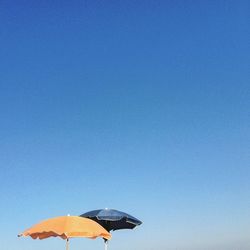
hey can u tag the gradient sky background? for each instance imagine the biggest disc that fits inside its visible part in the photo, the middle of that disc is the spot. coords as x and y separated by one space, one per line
142 106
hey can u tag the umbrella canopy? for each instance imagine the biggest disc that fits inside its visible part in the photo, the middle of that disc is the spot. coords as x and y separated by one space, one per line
66 227
112 219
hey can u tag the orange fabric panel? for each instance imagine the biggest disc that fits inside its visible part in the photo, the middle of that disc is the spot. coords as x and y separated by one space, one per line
67 227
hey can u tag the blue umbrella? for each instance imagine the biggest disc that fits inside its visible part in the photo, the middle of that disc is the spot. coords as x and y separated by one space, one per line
112 219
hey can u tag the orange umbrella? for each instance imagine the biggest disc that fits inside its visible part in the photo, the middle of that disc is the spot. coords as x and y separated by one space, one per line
67 227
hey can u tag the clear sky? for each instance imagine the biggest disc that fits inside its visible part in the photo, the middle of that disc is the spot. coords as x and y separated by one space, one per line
138 105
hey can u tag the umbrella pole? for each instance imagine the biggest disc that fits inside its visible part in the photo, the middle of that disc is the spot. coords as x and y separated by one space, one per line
67 244
105 244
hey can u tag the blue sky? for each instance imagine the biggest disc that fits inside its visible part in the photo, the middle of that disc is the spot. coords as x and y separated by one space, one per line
142 106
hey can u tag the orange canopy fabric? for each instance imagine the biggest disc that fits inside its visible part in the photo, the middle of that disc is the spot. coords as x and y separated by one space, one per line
67 227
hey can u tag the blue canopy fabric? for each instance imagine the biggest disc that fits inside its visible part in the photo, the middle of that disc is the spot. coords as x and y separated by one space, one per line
112 219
